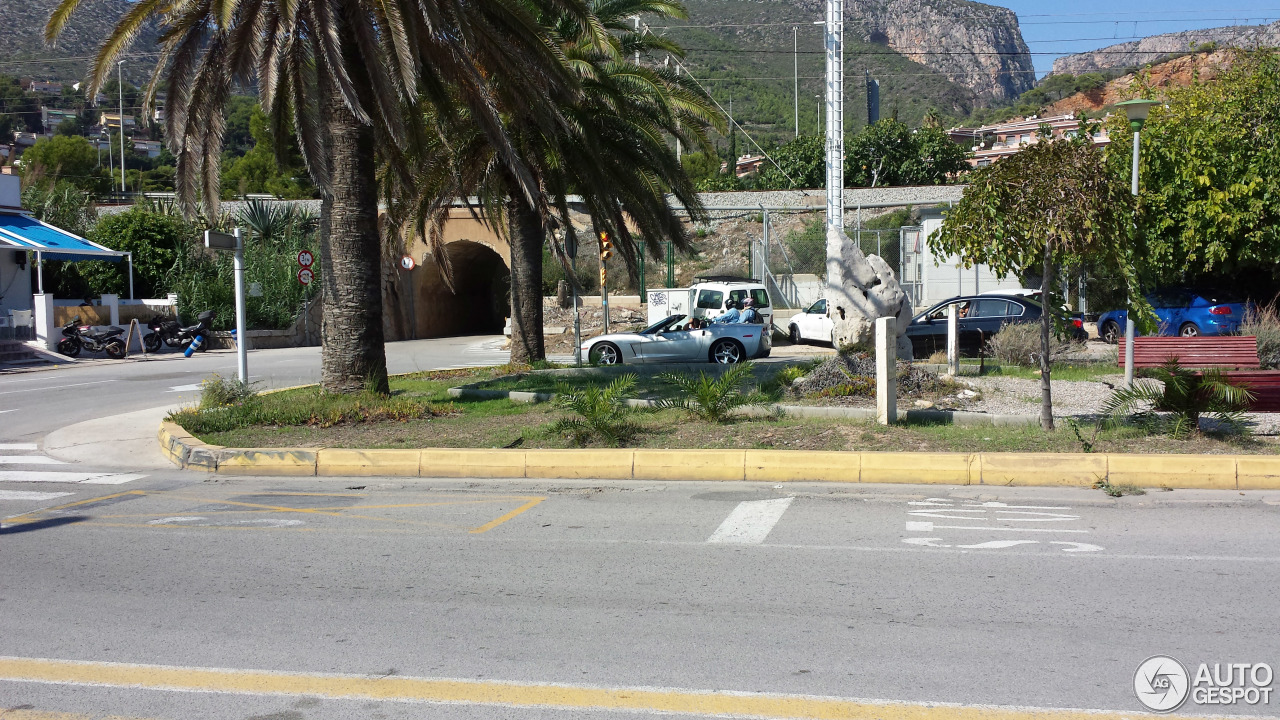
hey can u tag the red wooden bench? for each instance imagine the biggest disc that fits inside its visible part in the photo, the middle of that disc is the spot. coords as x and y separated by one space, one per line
1229 353
1223 351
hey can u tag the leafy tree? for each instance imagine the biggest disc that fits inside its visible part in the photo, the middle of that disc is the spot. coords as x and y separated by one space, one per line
264 168
70 126
890 153
700 165
64 157
1048 206
801 164
156 240
1209 206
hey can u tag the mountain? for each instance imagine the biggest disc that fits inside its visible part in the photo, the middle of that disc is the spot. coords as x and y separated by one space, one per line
1152 49
1180 71
25 54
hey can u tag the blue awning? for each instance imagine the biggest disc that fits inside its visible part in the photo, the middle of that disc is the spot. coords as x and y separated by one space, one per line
24 232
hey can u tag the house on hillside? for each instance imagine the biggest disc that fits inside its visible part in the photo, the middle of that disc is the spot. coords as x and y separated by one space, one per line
48 88
111 121
994 142
53 117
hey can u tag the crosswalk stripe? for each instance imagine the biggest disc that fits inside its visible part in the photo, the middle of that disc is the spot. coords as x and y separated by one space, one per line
88 478
750 522
29 460
17 446
31 495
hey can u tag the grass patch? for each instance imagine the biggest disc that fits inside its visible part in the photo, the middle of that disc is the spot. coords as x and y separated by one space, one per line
1061 371
1118 489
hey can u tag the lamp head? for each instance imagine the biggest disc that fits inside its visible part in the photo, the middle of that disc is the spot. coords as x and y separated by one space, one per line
1136 111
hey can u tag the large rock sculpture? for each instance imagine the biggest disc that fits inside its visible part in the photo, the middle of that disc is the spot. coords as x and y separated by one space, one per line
861 288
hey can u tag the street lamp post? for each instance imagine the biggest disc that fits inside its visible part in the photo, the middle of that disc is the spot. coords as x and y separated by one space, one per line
120 87
1136 111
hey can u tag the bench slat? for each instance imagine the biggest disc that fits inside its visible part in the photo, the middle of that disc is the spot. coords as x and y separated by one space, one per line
1228 351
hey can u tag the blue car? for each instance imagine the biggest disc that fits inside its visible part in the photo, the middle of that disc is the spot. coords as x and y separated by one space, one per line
1188 313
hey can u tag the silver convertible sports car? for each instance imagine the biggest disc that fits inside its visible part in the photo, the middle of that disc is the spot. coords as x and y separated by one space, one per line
670 340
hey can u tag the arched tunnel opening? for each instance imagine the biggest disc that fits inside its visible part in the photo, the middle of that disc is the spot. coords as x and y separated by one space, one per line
477 306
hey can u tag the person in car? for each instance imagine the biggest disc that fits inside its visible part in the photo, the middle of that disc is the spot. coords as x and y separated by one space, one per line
749 314
733 315
695 324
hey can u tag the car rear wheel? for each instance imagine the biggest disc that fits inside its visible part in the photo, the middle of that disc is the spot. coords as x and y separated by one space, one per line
727 352
606 354
794 335
1189 330
1110 332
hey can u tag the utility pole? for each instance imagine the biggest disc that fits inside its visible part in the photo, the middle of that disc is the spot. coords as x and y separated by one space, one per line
835 114
679 149
795 68
120 87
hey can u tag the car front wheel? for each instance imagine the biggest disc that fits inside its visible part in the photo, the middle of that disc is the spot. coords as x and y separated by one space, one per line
606 354
726 352
1189 330
1110 332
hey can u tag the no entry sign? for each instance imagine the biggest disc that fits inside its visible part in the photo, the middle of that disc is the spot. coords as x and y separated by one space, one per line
305 276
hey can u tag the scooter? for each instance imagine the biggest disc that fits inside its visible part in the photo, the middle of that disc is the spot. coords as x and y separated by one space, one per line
77 337
173 334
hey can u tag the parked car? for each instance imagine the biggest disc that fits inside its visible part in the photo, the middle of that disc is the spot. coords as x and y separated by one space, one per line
670 340
709 298
981 316
1184 312
811 323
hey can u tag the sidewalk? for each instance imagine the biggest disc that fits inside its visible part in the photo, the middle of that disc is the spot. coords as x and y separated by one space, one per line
126 442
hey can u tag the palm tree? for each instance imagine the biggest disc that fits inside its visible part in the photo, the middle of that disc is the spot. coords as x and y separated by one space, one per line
339 74
609 146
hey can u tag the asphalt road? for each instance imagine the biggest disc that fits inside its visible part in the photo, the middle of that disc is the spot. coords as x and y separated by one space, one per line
155 593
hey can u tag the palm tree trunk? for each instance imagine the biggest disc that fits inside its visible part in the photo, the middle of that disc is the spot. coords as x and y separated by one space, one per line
1046 324
526 232
353 357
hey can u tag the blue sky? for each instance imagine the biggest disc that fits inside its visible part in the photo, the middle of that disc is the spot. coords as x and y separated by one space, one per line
1061 28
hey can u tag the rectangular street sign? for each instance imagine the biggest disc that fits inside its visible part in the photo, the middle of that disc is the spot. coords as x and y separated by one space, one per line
219 240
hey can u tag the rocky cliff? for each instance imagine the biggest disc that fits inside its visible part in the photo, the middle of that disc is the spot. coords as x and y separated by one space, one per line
1152 49
974 45
1177 72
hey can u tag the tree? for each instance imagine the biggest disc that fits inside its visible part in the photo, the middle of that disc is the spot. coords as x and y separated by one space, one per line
64 157
339 73
1210 172
263 168
1051 204
890 153
156 240
801 163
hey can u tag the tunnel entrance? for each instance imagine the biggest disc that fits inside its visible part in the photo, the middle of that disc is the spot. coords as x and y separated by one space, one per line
479 307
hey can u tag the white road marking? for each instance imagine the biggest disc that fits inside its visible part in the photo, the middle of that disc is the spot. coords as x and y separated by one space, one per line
1040 516
176 519
1015 507
185 388
750 522
89 478
29 460
925 542
17 446
5 411
1077 546
998 544
30 495
921 526
55 387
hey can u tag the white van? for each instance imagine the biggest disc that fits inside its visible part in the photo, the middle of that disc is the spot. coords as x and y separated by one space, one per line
709 298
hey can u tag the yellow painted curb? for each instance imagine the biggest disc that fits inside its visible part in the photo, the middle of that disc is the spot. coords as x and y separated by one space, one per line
1257 472
686 464
338 461
1068 469
1206 472
579 464
267 461
793 466
442 462
921 468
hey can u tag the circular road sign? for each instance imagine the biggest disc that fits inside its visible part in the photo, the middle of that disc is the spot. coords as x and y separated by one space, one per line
305 258
407 262
305 276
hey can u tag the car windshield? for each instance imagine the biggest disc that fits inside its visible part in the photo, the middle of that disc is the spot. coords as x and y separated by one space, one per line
663 325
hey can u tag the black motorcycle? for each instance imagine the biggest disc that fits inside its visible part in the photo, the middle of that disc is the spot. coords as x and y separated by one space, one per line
169 332
77 337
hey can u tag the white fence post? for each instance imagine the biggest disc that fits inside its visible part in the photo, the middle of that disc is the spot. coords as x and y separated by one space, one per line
886 370
953 340
112 304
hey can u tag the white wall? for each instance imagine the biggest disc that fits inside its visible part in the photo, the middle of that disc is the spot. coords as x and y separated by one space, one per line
15 283
948 278
10 191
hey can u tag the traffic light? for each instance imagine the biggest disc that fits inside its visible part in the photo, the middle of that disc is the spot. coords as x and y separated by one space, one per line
604 277
606 247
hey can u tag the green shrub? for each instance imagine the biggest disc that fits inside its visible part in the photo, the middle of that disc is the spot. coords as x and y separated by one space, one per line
1183 395
217 391
711 398
602 412
226 405
1264 323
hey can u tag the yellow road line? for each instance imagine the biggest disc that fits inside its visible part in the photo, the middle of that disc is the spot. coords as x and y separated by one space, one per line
496 522
532 695
30 517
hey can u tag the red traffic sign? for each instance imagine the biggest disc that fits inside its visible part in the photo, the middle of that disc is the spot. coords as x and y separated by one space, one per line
305 258
406 262
305 276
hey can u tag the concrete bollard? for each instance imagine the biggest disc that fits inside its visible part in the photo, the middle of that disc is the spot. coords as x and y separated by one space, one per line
886 370
953 340
1128 352
111 303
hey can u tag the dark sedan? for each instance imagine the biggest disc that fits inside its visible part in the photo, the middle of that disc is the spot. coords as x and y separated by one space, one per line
980 317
